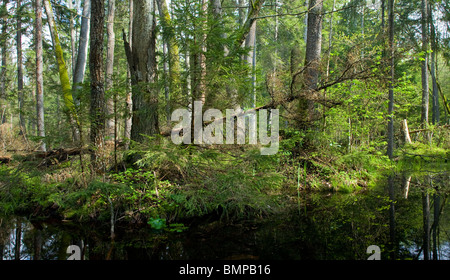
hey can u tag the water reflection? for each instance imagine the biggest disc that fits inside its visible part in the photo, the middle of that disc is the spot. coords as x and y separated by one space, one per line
406 217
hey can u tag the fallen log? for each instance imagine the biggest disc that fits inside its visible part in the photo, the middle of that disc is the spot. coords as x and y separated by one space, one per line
59 155
5 159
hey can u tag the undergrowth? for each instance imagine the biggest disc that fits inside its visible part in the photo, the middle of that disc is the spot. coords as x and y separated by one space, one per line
159 183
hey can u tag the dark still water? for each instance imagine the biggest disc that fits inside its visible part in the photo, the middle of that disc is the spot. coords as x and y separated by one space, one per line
407 218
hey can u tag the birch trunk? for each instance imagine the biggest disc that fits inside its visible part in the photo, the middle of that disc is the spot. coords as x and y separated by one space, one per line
83 43
128 101
39 75
110 124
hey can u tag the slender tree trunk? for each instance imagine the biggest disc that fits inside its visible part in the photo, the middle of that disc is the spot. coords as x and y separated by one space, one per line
142 60
72 34
128 101
426 225
83 43
4 53
436 214
435 96
425 94
392 238
97 111
37 242
110 125
390 132
18 241
20 92
39 75
250 42
330 38
172 47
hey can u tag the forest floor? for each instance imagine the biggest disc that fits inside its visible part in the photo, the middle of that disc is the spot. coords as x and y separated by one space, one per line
159 183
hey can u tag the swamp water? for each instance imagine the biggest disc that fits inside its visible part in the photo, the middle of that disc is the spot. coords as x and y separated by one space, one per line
407 218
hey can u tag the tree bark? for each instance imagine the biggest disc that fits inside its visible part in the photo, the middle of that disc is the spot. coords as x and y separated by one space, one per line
435 96
20 93
142 60
97 110
390 132
128 101
312 58
4 52
424 66
406 132
83 43
39 75
72 34
110 124
249 57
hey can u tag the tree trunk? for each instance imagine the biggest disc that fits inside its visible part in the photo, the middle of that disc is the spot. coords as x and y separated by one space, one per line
435 228
172 48
97 111
249 57
312 58
80 65
18 240
128 101
20 93
110 125
390 132
39 75
246 26
142 60
406 132
330 38
72 34
426 225
4 52
435 96
425 97
70 109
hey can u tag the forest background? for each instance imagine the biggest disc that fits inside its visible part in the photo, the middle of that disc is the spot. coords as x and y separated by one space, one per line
88 88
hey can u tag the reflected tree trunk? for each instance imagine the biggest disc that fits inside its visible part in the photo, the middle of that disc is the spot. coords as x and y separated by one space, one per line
18 240
393 248
426 225
435 228
37 244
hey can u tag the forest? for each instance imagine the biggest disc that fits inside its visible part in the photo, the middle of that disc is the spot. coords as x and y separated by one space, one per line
353 95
